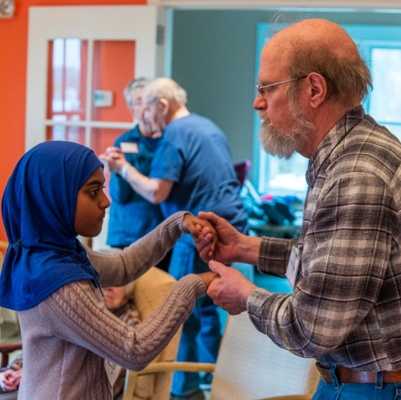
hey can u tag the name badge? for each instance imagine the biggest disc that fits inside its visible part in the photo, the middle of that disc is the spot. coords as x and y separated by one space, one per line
293 266
112 371
129 147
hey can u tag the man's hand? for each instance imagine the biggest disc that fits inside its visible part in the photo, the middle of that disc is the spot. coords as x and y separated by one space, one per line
227 246
231 290
231 246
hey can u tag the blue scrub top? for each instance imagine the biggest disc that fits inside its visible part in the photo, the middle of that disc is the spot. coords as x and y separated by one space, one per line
131 215
194 153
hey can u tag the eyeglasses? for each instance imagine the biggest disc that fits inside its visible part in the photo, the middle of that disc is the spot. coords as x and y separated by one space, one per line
261 89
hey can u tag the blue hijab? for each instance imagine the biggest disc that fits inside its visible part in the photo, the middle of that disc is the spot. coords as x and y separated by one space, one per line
38 210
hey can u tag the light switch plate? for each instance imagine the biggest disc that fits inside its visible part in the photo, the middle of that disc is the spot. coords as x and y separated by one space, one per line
103 98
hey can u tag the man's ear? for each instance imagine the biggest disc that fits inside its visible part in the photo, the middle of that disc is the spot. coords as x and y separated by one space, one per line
163 106
318 89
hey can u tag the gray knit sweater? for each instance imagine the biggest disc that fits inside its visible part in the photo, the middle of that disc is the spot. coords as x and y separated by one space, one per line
68 336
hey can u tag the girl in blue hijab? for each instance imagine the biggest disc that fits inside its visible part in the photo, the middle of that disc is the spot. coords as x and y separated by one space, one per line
72 343
38 211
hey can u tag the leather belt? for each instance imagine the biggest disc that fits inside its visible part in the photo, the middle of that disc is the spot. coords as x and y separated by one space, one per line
349 375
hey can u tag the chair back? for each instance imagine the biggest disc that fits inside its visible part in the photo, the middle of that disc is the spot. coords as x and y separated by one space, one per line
149 292
251 366
242 169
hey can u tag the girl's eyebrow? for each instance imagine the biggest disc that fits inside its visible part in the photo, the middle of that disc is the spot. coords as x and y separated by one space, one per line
95 182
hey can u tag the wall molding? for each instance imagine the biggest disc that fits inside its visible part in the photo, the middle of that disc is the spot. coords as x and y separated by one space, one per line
371 5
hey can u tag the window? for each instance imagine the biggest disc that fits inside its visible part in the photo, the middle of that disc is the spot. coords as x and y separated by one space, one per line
381 48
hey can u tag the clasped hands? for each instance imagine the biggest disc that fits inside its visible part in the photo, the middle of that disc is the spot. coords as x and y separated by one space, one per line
10 379
113 158
219 242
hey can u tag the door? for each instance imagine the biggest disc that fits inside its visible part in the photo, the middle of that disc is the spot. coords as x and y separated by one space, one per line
79 60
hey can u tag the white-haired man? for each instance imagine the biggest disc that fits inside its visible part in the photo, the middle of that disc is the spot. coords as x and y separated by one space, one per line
192 170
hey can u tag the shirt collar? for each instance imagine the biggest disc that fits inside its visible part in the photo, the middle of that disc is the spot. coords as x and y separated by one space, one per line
331 141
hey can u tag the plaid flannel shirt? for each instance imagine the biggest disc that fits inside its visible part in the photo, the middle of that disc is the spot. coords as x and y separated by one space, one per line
346 304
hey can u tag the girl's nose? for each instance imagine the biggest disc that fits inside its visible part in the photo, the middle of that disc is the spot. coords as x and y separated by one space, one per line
105 203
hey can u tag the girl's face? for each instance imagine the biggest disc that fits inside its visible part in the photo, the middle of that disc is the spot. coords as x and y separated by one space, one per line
91 206
115 297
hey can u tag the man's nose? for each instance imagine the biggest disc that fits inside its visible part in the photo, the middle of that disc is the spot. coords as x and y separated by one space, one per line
259 103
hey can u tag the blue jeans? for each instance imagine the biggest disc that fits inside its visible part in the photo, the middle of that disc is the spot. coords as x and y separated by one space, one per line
357 391
200 339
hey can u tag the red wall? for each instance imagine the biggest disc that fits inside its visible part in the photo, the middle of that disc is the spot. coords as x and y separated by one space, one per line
13 62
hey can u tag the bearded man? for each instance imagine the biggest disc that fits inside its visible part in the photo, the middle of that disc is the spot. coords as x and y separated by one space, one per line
345 309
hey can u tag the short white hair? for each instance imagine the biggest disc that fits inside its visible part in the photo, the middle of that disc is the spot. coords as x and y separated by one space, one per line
132 85
166 88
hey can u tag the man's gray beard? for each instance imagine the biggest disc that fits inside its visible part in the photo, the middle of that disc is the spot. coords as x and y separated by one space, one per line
285 144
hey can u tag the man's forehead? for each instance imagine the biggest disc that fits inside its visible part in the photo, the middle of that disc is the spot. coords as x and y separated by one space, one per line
277 47
274 58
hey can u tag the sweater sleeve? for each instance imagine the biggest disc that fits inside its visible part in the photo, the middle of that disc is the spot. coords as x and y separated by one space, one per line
121 268
77 314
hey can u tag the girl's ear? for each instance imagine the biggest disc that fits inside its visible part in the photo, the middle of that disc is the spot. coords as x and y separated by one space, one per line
163 106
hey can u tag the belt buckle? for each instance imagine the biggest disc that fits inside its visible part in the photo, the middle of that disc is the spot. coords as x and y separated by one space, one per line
324 371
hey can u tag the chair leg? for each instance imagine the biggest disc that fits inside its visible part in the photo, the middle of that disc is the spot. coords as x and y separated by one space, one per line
129 385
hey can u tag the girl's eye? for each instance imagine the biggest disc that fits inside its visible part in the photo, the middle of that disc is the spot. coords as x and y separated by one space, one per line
95 192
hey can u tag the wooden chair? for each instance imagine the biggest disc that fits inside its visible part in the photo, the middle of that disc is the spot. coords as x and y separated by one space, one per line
148 293
250 366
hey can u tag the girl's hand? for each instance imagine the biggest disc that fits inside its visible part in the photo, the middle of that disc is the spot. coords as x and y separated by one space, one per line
208 277
200 229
